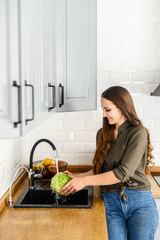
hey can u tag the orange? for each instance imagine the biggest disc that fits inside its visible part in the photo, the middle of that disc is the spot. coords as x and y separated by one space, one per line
47 161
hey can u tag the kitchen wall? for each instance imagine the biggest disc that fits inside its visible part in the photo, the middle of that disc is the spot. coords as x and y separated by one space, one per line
128 54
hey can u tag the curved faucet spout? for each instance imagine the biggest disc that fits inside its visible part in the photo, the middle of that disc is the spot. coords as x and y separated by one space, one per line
31 173
35 145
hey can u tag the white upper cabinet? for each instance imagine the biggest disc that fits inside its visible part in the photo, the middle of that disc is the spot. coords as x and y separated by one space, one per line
76 55
10 89
47 40
47 61
30 62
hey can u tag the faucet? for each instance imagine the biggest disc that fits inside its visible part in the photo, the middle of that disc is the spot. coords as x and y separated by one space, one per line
31 173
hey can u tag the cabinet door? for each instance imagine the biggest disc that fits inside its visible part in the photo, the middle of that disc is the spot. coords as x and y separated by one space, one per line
10 89
47 29
76 55
30 62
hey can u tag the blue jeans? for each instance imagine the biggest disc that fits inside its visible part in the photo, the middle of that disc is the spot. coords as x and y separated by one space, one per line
135 219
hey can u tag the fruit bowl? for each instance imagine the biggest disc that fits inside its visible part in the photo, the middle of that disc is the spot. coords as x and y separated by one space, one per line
48 171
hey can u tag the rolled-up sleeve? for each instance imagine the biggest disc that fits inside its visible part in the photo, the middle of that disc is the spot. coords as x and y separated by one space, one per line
133 155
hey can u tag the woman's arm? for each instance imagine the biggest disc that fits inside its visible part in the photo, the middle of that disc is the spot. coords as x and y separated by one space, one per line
101 179
71 175
79 183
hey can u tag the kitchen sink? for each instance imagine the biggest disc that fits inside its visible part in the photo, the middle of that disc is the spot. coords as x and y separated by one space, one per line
43 197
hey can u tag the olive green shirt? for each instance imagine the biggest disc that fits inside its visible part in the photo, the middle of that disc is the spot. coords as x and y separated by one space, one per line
127 158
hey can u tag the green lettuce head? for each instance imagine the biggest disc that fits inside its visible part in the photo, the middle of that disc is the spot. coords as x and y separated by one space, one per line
58 181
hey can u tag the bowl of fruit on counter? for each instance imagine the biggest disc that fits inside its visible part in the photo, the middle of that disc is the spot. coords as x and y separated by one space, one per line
47 167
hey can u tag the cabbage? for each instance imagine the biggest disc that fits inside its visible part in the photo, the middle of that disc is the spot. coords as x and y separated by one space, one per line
58 181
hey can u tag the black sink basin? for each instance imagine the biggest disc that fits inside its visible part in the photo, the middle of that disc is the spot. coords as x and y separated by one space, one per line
43 197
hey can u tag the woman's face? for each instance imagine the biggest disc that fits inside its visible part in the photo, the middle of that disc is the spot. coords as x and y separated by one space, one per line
112 113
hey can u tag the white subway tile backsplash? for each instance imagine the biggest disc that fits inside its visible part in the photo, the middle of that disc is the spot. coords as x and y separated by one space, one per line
156 160
157 124
151 65
3 171
144 29
151 41
119 77
146 77
62 115
157 147
102 77
102 53
144 5
132 42
73 148
84 136
90 148
61 136
52 124
131 65
149 124
109 41
123 5
93 125
155 135
152 17
102 5
120 29
111 18
110 66
119 54
157 53
152 112
84 115
139 111
143 53
157 77
157 28
67 158
140 88
83 159
143 101
157 101
133 17
72 124
5 142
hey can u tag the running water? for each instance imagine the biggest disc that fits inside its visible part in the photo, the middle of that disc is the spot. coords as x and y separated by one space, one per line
56 160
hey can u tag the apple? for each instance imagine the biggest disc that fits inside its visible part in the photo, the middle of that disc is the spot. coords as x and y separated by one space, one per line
52 168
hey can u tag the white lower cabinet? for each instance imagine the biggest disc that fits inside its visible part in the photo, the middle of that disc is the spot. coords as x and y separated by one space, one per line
47 61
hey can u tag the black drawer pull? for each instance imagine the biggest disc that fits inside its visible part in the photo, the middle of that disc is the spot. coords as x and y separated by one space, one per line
19 103
61 95
32 88
53 96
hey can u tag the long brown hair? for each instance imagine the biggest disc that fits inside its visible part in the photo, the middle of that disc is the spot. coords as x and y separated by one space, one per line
123 100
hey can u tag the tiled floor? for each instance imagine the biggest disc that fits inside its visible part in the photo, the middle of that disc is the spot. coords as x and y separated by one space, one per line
157 235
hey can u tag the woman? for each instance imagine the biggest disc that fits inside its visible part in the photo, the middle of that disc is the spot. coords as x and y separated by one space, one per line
122 157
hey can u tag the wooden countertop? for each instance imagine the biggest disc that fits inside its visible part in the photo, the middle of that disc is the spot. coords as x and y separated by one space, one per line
53 224
155 189
58 224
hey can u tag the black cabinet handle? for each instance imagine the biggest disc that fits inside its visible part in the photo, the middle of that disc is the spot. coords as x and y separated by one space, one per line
53 96
19 103
32 88
61 95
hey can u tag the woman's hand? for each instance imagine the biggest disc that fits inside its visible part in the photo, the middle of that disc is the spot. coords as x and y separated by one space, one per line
71 175
73 186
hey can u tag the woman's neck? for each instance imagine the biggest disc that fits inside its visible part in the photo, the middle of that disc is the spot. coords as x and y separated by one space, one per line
120 122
